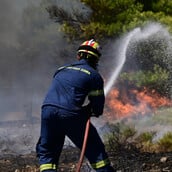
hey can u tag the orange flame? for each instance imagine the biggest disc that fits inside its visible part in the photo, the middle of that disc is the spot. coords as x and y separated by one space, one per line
126 103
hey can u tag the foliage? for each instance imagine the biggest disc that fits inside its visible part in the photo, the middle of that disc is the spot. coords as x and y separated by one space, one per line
162 5
109 18
156 79
154 49
150 61
146 137
147 4
145 142
124 137
106 19
119 137
165 143
112 15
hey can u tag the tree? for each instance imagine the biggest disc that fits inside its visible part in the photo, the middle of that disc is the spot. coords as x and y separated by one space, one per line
106 19
109 18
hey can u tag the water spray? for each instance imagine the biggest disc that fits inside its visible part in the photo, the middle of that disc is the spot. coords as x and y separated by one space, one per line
153 32
121 59
137 34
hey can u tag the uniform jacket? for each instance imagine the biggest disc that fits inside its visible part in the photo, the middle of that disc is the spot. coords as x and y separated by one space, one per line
72 85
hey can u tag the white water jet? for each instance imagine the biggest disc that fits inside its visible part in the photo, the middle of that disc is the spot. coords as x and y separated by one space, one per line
121 59
137 34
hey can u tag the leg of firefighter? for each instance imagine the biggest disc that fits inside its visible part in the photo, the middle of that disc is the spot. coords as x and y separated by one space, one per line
95 150
96 154
50 143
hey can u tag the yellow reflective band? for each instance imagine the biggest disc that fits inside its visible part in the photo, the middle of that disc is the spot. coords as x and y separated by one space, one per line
96 93
48 167
100 164
90 52
60 68
79 69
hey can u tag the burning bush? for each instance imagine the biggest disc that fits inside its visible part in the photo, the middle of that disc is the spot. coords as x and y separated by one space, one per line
127 100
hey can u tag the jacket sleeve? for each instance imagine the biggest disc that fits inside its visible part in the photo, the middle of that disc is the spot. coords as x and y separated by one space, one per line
96 96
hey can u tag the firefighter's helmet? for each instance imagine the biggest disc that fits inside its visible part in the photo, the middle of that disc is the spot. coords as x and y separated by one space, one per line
90 47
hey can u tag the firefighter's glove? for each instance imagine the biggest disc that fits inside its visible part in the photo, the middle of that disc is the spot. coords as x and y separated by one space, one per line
95 115
87 109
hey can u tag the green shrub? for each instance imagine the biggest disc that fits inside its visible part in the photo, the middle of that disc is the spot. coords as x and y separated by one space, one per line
144 142
165 143
119 137
157 79
146 137
122 137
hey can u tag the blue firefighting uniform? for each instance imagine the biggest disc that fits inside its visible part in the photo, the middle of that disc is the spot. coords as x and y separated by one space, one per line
63 115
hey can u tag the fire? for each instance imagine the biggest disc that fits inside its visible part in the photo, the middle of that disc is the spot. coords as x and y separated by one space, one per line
126 103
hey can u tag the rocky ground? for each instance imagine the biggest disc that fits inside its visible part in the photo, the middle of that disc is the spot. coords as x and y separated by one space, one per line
123 161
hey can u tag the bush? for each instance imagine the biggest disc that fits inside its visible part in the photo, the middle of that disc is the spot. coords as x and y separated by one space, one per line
165 143
122 137
154 80
119 137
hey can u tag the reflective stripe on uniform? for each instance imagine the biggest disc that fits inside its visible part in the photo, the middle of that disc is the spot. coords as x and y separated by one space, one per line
75 68
48 167
100 164
80 69
96 93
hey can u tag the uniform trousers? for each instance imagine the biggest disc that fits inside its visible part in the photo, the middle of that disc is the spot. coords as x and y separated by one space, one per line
55 126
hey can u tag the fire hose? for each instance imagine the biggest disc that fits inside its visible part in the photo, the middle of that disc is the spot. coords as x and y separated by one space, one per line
83 146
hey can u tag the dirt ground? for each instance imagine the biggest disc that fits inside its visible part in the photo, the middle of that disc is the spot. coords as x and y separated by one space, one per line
123 161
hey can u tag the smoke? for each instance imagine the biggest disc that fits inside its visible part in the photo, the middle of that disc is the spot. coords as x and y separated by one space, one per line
31 48
9 23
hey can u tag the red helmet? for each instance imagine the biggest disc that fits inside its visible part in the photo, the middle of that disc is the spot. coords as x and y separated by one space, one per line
91 47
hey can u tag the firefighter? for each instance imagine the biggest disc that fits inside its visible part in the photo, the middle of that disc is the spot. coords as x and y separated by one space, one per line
64 112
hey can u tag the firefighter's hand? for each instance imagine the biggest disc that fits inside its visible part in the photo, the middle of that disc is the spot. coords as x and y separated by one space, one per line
87 109
95 115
